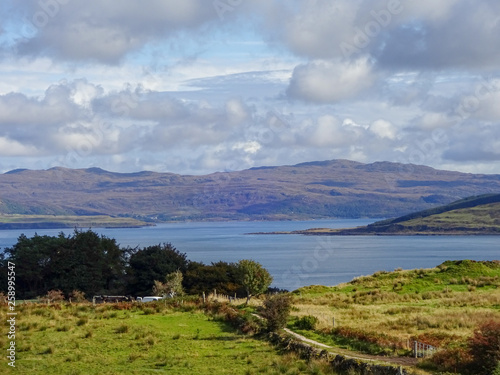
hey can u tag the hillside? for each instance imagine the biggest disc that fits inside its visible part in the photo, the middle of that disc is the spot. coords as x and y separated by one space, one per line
383 313
470 216
337 188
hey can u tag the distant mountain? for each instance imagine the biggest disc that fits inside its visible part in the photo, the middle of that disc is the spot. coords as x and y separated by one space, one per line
470 216
336 188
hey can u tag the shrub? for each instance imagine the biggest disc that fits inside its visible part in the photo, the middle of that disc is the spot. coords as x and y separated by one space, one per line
77 296
149 311
455 360
249 324
276 311
3 299
54 296
485 348
307 322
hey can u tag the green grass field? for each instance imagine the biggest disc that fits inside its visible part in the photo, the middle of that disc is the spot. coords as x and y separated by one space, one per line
83 339
378 314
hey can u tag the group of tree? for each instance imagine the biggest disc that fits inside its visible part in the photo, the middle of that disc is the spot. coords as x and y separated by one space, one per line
95 264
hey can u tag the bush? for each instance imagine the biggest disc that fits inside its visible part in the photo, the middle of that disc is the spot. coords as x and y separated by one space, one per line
454 360
276 311
54 296
77 296
485 348
307 322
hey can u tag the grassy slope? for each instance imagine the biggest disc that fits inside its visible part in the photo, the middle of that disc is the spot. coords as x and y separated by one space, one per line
473 215
485 217
52 221
380 313
86 340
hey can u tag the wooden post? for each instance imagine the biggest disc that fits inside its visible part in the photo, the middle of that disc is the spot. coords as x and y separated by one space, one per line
415 348
333 321
215 293
204 298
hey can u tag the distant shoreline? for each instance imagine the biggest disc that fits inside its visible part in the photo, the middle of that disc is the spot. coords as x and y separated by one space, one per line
348 232
30 222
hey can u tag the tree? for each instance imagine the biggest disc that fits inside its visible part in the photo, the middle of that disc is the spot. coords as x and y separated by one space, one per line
89 262
254 278
171 287
173 281
84 261
221 276
153 263
34 259
276 311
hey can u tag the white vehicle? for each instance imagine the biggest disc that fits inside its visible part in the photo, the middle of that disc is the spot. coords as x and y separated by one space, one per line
149 298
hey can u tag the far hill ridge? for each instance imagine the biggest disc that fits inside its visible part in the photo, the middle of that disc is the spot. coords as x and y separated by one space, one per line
311 190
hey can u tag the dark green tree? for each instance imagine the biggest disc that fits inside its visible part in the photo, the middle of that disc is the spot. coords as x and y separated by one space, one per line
84 261
91 263
221 276
153 263
34 259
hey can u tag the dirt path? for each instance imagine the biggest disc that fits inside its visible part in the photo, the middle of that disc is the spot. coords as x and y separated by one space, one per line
402 361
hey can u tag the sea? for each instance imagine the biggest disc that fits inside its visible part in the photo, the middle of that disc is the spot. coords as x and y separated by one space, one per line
296 260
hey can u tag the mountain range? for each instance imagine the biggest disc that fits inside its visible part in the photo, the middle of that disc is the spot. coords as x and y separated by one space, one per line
313 190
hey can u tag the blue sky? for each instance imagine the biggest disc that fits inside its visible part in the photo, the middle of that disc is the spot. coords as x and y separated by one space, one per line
200 86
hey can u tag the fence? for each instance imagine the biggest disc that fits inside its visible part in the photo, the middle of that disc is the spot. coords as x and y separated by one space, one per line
421 350
223 297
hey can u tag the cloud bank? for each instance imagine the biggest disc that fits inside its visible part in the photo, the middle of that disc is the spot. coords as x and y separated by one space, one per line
198 86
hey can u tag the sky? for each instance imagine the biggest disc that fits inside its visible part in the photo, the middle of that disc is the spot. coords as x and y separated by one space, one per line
199 86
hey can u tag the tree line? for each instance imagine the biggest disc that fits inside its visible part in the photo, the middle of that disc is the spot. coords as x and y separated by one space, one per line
95 264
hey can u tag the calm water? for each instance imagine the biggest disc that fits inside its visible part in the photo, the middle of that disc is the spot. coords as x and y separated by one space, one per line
296 260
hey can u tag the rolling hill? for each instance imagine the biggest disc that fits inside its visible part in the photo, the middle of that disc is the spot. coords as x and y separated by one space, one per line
478 215
336 188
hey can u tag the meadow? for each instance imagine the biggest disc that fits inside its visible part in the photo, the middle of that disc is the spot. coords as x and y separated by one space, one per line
379 315
136 338
385 312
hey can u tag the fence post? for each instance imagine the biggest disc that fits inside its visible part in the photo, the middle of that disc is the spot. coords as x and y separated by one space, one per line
415 348
204 298
333 321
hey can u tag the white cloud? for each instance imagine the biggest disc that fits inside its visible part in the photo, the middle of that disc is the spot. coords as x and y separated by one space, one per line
431 121
328 131
251 147
236 111
383 129
327 81
9 147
